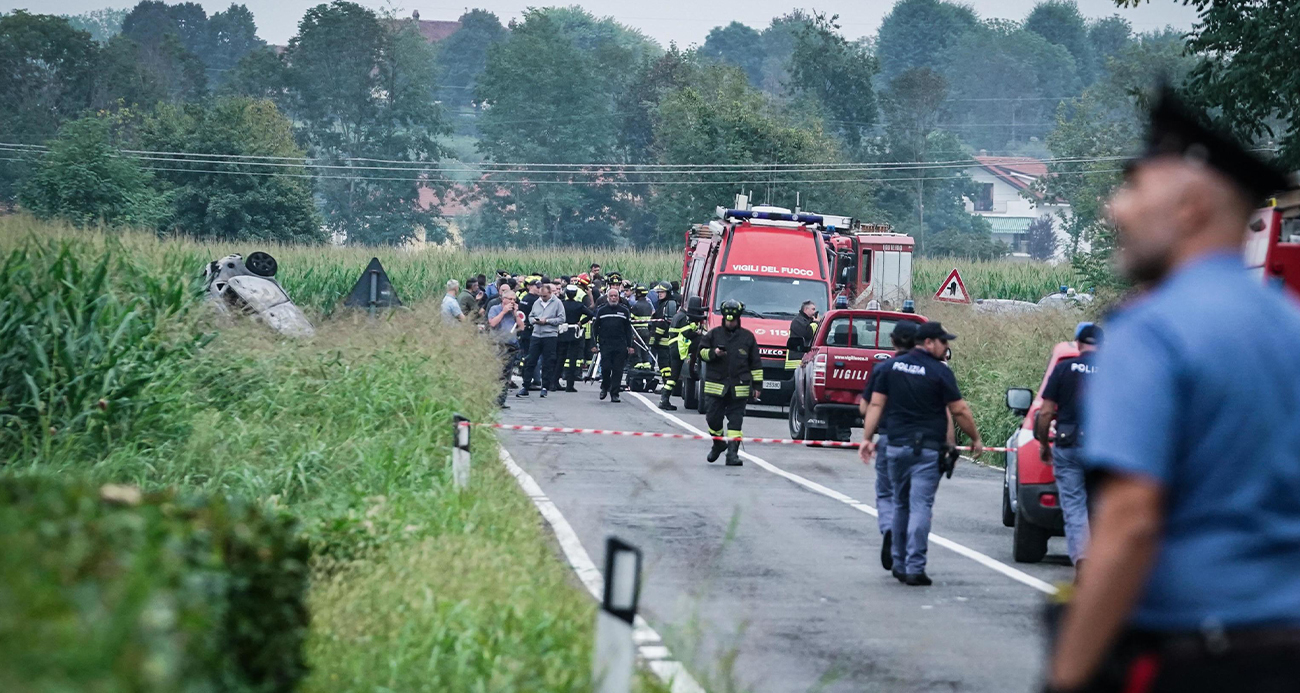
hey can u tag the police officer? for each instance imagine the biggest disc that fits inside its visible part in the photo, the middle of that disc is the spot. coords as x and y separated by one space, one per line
904 340
1061 401
916 392
614 339
683 332
572 339
665 309
732 377
1192 581
802 330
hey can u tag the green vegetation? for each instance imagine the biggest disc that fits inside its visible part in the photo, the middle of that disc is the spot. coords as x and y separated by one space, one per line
414 586
106 589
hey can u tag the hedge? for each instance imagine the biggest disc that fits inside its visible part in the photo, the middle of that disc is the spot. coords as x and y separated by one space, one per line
110 589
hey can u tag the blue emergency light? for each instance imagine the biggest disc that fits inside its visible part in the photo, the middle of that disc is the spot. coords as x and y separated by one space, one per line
773 216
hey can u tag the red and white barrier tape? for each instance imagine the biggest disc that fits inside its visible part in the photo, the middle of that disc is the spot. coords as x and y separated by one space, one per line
680 436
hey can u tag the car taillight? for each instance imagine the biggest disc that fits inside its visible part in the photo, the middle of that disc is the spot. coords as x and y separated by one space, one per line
819 370
1047 500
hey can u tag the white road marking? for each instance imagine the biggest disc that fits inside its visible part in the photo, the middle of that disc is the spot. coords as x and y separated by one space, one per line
649 645
982 559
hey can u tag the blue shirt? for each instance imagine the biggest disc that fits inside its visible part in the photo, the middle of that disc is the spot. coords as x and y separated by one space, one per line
1198 389
504 332
872 379
920 388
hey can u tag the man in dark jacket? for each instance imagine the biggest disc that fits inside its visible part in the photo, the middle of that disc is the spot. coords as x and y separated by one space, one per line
683 332
732 375
665 309
802 330
572 338
614 339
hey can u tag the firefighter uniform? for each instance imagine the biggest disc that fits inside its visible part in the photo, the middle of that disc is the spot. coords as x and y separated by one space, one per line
642 313
683 333
804 328
730 379
573 343
665 309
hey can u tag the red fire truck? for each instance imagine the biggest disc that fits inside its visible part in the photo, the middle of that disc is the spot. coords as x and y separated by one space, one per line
773 259
1272 246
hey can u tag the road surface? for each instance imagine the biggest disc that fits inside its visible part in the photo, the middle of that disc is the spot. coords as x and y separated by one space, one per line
767 576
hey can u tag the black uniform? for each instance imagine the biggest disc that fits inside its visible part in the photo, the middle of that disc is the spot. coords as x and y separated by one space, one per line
613 336
1064 386
641 313
729 379
683 333
805 328
572 343
659 325
525 333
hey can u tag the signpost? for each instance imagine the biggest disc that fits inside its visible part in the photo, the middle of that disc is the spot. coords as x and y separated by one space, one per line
615 656
953 289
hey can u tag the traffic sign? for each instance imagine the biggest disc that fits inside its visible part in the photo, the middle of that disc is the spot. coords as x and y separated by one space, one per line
953 289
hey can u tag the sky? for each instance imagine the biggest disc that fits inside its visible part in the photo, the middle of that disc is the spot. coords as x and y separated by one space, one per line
685 21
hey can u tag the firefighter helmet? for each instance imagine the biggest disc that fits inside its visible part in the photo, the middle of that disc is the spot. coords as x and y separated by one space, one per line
695 308
584 280
731 309
664 287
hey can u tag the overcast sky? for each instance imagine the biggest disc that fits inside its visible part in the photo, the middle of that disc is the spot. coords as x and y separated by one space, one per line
684 21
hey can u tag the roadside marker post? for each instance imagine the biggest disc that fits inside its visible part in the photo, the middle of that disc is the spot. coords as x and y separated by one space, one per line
460 451
615 656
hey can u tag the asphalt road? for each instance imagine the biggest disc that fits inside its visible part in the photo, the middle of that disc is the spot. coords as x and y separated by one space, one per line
757 581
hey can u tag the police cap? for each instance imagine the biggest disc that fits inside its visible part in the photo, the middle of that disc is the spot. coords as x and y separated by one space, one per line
1174 131
1090 334
905 329
933 330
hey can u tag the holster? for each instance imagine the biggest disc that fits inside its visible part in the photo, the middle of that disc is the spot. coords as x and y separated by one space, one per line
948 460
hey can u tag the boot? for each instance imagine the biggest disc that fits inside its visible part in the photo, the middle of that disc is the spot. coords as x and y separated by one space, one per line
664 404
733 453
718 447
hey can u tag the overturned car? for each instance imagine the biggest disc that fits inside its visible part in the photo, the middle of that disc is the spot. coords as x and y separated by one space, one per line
238 286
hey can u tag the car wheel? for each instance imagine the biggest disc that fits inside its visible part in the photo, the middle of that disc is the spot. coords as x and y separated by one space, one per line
690 396
1008 516
797 424
1028 541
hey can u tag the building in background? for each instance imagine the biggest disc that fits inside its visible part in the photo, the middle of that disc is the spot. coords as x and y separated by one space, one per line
1006 197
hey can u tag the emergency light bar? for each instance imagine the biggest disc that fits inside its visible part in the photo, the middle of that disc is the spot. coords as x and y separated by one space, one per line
770 216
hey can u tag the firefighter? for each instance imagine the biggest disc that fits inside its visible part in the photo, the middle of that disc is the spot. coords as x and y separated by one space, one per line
614 339
665 309
802 330
733 375
642 312
572 339
683 333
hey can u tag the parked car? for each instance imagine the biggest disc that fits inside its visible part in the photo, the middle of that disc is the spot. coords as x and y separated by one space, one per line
1030 502
833 372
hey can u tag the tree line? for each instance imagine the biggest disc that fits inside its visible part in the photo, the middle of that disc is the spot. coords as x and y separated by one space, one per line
563 127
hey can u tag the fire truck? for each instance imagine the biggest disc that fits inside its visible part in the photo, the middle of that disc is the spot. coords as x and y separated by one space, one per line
772 259
1272 248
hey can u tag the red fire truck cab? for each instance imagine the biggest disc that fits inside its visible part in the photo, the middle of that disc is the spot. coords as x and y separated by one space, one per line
772 260
1272 248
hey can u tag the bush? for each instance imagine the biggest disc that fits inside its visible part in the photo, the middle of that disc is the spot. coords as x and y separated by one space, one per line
108 589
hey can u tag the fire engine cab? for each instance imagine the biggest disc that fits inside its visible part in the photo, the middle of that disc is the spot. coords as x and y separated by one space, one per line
772 259
1272 248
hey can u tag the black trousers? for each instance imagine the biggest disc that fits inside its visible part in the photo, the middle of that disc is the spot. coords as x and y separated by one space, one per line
664 357
570 357
728 407
613 360
543 349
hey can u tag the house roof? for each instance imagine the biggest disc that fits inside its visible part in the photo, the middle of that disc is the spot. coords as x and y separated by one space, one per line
434 31
1019 172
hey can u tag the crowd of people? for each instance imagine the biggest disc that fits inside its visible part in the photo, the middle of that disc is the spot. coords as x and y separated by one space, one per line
554 331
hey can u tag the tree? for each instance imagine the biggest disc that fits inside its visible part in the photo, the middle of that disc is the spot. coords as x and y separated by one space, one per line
1060 23
363 89
124 77
462 56
169 41
1248 72
739 45
1041 238
232 34
835 76
102 25
212 201
1107 37
47 74
83 180
1005 79
260 74
778 45
916 33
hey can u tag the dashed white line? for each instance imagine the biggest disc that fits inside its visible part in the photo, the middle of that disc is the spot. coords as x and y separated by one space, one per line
649 645
960 549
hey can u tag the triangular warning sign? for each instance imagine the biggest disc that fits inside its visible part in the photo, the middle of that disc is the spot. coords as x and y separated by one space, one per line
953 289
373 290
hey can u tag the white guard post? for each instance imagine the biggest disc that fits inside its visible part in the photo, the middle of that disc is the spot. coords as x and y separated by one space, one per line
460 451
615 656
